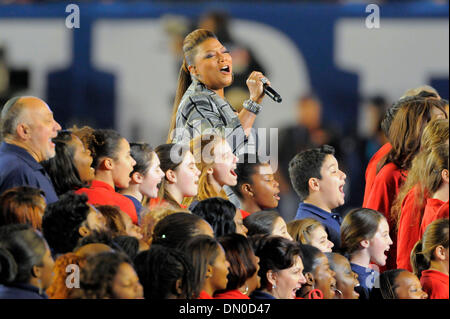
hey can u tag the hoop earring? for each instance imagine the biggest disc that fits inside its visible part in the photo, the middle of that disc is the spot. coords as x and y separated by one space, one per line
338 292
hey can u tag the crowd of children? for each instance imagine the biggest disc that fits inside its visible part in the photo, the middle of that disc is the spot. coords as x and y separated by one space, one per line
158 223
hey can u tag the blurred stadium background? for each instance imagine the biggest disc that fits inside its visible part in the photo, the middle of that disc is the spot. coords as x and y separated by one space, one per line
336 76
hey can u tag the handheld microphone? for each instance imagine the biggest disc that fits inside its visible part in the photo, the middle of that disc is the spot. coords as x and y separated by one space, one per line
271 92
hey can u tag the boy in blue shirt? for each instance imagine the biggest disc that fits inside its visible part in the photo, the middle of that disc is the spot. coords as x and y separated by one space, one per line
316 178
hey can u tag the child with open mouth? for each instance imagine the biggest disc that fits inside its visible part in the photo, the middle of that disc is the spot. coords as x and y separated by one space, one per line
365 240
256 186
216 163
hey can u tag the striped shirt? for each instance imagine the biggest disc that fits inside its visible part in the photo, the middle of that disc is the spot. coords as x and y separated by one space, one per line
202 111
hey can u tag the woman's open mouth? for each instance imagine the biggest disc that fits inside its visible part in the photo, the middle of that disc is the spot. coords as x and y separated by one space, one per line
225 70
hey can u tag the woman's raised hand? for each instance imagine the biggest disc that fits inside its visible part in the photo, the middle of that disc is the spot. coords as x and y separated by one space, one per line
255 86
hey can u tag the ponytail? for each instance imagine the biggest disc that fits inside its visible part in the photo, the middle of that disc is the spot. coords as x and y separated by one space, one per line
422 254
419 261
184 81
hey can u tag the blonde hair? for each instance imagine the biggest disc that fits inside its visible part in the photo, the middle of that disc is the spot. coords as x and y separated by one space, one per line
422 254
423 88
204 160
301 229
435 133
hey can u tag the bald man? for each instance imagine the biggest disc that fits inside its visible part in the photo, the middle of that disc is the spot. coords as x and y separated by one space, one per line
27 127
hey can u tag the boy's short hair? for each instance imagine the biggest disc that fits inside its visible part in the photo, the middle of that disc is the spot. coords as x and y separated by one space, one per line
305 165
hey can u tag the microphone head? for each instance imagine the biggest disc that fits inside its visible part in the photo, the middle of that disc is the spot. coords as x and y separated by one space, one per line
271 92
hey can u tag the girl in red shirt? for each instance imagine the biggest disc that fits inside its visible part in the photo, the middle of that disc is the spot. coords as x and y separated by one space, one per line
437 177
429 259
113 164
416 112
409 206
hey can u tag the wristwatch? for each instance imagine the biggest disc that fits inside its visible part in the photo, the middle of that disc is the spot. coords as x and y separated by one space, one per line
252 106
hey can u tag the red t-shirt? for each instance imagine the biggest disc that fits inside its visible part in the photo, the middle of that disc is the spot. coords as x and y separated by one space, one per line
371 170
435 209
384 190
244 214
231 294
101 193
435 284
204 295
408 229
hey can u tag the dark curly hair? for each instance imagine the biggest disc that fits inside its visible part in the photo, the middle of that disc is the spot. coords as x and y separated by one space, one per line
103 143
175 229
128 244
97 276
61 168
62 219
219 213
246 167
99 237
160 268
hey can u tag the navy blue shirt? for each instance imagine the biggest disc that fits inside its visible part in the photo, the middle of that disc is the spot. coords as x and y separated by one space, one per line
368 278
258 294
21 291
137 205
19 168
331 221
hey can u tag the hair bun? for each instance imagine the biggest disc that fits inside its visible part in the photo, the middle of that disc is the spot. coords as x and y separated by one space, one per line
8 266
